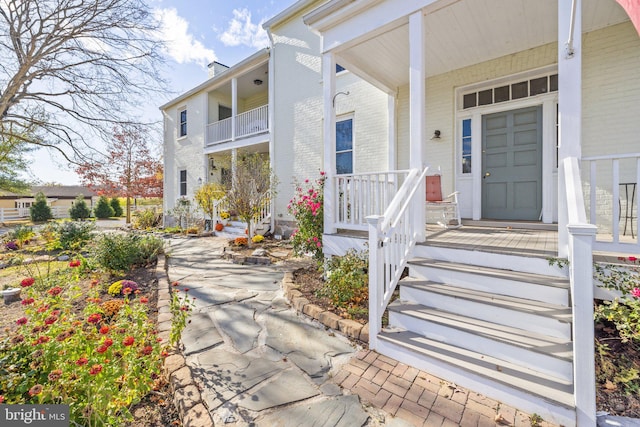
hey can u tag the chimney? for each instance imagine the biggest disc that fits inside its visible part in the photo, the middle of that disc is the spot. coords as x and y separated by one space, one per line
215 68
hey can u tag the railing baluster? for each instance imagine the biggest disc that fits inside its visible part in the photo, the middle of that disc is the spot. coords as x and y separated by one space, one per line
615 194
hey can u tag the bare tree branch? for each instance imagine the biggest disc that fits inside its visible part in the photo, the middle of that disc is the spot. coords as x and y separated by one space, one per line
72 65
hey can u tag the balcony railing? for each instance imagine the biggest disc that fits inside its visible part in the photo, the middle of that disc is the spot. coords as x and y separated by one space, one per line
249 123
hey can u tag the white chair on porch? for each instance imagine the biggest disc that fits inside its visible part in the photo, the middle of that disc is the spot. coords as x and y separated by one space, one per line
445 207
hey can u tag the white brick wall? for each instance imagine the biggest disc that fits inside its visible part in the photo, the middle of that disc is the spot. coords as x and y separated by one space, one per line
298 112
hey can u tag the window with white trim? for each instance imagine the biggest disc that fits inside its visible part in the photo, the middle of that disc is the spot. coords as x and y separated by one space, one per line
344 146
182 179
182 116
465 149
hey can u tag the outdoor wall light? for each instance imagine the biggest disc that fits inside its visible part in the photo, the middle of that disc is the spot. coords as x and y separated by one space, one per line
436 134
213 166
257 82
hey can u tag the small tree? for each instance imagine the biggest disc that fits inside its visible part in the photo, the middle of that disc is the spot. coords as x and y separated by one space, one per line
40 211
103 209
117 208
79 210
251 181
207 196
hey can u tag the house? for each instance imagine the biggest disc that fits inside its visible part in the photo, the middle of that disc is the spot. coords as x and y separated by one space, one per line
59 197
528 109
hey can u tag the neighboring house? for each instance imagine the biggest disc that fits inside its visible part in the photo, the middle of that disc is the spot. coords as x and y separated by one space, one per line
528 109
59 197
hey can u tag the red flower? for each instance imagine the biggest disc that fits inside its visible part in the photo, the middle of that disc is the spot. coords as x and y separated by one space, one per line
126 291
102 349
176 283
128 341
22 321
94 282
1 398
74 263
164 353
632 258
147 350
54 291
36 389
104 330
43 308
144 300
50 320
27 282
95 369
94 318
108 342
27 301
43 339
82 361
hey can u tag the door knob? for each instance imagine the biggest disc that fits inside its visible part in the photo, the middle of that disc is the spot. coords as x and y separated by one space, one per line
486 174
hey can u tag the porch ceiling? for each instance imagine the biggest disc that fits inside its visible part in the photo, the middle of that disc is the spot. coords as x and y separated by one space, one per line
469 32
246 85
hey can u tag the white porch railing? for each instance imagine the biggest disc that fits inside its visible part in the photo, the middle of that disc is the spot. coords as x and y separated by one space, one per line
249 123
219 206
219 131
392 237
613 200
581 239
360 195
252 122
264 210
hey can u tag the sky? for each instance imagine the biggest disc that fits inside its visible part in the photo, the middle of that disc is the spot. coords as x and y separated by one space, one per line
196 33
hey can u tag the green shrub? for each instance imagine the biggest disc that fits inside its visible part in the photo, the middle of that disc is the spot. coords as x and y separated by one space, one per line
68 235
103 209
120 252
147 218
347 279
79 210
40 211
116 206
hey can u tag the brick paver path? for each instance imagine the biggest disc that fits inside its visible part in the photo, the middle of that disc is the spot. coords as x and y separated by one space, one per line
422 399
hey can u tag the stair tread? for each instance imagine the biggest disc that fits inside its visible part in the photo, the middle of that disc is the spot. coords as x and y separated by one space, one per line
541 343
519 377
539 279
558 312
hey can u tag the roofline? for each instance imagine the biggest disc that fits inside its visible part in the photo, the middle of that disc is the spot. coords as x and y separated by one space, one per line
295 8
248 62
324 10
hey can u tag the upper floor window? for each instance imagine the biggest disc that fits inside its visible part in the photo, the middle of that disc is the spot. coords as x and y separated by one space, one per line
344 146
466 146
183 123
183 182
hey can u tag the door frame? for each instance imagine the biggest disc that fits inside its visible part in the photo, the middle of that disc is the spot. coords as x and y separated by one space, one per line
549 103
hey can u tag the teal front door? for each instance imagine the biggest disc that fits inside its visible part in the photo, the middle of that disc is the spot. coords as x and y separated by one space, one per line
512 165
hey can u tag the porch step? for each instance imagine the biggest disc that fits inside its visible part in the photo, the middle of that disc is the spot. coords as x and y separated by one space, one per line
532 389
547 354
529 315
535 287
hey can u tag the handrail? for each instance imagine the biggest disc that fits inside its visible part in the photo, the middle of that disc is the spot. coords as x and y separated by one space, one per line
264 209
581 238
392 237
612 156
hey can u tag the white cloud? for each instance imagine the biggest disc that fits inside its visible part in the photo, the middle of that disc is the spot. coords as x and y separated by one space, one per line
180 44
242 31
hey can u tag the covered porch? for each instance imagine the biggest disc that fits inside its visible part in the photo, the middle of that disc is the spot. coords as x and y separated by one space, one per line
490 94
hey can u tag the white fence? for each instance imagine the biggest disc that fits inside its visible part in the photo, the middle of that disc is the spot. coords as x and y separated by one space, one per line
249 123
360 195
18 214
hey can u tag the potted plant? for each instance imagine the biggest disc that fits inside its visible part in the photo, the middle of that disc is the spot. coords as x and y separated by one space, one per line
10 294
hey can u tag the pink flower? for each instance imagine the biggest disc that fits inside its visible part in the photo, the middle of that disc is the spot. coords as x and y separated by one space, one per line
319 244
632 258
636 292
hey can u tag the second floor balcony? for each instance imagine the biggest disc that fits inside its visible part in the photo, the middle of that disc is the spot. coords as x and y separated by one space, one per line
249 123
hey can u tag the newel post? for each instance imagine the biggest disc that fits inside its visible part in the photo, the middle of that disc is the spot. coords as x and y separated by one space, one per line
376 279
581 237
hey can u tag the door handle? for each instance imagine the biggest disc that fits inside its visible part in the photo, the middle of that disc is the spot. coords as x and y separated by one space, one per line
486 174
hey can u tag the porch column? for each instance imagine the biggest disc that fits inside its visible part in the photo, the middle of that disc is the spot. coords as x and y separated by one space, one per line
329 90
234 107
234 166
391 137
417 111
569 105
